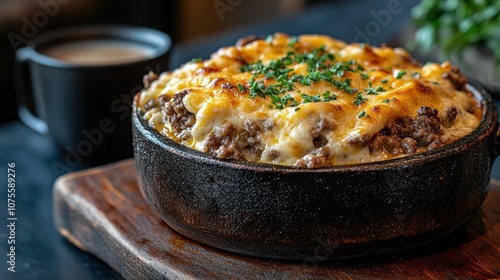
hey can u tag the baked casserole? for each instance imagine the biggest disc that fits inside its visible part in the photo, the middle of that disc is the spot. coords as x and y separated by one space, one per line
310 101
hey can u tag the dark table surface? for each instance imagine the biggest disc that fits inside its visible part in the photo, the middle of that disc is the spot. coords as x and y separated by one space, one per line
41 253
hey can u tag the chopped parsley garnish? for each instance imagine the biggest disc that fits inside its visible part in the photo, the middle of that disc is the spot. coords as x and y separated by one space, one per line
196 59
322 66
328 97
309 98
363 114
283 101
388 100
384 81
364 76
359 99
241 88
373 91
257 88
400 74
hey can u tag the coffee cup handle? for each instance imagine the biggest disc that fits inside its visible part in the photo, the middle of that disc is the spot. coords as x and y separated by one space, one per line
22 79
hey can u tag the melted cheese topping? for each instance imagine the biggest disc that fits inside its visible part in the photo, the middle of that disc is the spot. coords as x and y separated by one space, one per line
219 94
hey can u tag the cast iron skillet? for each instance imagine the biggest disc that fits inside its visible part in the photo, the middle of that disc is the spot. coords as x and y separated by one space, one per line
335 212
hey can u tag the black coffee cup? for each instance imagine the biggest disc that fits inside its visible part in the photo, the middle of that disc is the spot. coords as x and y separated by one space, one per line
82 80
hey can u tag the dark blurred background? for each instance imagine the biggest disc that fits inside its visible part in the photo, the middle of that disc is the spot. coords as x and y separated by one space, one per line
183 20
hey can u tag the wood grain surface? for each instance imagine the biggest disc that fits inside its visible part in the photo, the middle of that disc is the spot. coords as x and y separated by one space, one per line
102 212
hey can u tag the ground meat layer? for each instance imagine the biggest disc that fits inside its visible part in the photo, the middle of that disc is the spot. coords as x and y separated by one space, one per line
399 136
230 143
179 118
407 136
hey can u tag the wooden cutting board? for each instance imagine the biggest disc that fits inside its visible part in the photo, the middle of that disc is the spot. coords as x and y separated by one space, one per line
102 212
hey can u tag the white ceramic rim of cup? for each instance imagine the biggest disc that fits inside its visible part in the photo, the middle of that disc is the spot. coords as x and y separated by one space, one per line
160 42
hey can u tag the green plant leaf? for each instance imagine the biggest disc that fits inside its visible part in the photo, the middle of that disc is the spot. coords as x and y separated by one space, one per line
454 25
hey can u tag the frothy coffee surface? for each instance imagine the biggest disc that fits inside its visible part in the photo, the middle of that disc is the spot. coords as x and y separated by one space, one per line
98 51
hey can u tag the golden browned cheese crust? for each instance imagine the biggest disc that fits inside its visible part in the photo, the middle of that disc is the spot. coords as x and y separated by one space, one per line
310 101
